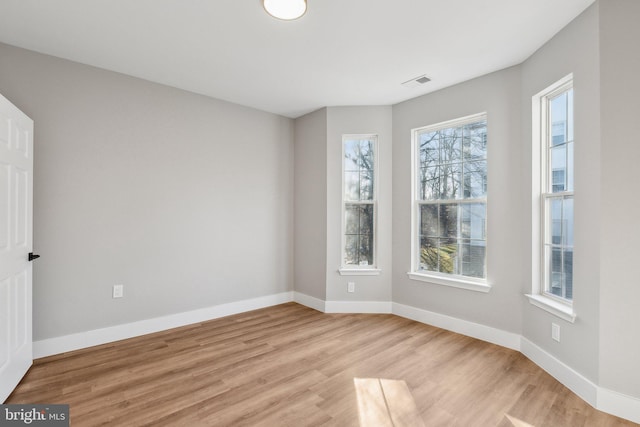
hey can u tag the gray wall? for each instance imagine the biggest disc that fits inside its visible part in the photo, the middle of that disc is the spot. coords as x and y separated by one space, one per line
497 94
186 200
358 120
574 49
310 196
318 198
620 227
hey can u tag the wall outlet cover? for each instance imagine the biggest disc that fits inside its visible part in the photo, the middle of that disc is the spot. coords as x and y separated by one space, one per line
555 332
118 291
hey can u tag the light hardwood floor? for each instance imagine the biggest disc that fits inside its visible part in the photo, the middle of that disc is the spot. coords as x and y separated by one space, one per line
289 365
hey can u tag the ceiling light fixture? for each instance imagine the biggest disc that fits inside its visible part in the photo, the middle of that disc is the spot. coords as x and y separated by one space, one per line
285 9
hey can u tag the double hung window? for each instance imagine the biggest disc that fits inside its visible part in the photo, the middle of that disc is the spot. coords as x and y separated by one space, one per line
553 187
359 202
557 192
450 200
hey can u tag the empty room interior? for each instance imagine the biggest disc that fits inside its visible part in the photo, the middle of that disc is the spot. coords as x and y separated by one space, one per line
376 213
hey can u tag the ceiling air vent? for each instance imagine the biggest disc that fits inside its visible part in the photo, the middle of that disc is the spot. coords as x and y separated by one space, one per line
417 81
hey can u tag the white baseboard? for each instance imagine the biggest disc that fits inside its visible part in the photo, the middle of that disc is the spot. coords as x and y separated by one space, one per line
86 339
371 307
464 327
573 380
618 404
309 301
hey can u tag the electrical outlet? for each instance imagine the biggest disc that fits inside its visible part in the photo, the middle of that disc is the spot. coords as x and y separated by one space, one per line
118 291
351 286
555 332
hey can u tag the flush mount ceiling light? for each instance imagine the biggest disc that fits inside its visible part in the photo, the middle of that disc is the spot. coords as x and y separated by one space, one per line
285 9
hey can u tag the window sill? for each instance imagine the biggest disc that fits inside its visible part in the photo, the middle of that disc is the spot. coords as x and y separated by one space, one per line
556 308
359 271
470 285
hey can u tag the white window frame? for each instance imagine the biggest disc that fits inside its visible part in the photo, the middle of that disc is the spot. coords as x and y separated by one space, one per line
452 280
539 296
350 269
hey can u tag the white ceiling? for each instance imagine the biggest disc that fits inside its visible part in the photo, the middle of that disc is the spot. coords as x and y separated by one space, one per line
342 52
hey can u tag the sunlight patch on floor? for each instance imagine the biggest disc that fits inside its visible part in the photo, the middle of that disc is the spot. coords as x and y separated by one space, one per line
383 402
516 422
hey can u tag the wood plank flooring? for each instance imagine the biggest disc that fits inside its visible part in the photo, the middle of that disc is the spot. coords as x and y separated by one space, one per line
289 365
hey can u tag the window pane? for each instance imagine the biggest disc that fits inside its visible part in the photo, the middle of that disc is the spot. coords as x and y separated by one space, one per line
450 181
555 216
429 254
450 145
558 168
351 219
366 160
429 148
570 166
367 167
567 277
429 183
449 220
352 186
560 256
558 117
475 141
366 219
555 271
472 254
351 154
351 250
557 180
472 223
475 179
429 220
366 185
359 234
448 253
567 221
358 219
366 249
448 256
359 165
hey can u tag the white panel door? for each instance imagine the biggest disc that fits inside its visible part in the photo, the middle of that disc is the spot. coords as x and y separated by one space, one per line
16 214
